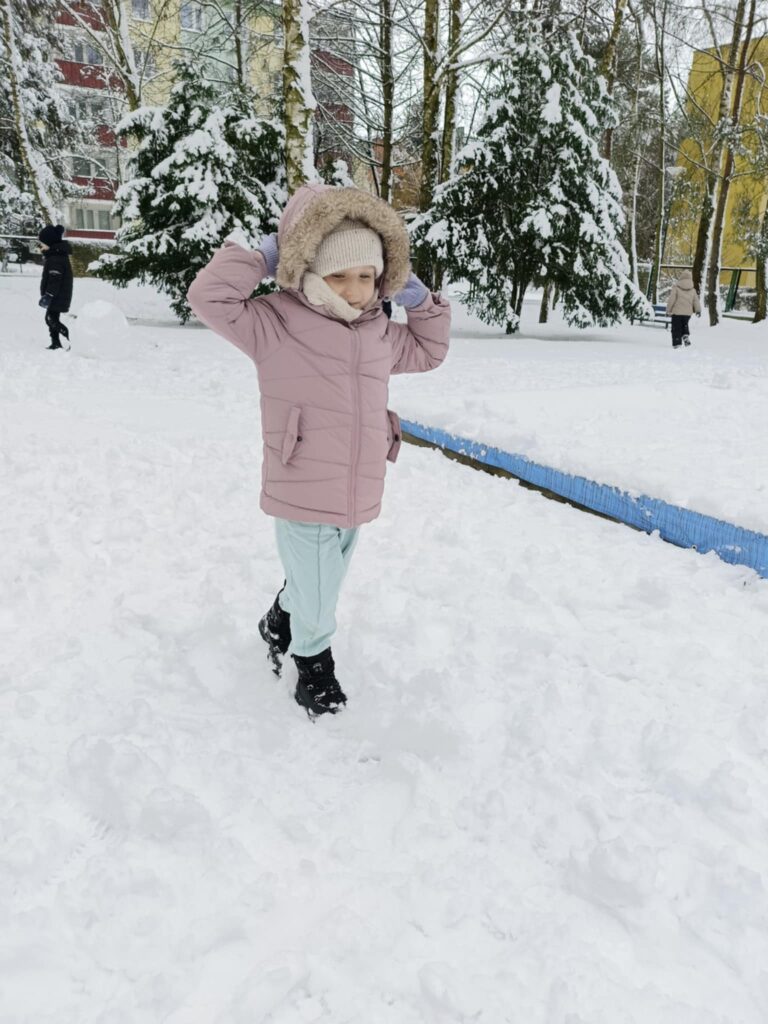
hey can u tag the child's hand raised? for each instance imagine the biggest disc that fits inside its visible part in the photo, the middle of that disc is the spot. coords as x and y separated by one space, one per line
413 294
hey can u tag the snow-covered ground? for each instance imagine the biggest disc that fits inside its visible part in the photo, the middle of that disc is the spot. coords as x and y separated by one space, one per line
619 406
547 802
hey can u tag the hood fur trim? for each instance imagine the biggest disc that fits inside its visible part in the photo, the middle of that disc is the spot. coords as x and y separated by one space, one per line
325 211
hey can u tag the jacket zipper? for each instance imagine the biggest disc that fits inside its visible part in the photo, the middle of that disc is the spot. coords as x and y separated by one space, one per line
355 427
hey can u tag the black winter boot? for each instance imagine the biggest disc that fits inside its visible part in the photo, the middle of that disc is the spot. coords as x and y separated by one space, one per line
318 689
275 629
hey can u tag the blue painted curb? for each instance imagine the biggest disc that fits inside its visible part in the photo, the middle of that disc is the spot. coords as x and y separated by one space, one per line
677 525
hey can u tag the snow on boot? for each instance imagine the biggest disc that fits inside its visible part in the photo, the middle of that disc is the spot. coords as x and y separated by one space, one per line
275 629
318 689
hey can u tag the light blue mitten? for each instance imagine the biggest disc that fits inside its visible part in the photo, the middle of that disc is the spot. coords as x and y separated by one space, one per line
268 249
413 294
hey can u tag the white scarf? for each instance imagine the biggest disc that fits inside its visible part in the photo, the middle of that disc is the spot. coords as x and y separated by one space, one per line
319 293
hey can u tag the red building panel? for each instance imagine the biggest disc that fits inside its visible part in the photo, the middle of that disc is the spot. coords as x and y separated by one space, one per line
325 61
335 112
87 76
105 136
87 233
86 13
100 188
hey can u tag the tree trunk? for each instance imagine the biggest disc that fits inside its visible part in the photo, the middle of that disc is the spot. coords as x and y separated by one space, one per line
388 96
431 104
761 259
298 104
703 234
608 67
30 158
451 89
429 121
715 252
544 309
115 18
638 149
240 28
661 70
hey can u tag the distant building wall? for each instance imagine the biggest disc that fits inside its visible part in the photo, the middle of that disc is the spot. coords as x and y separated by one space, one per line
161 32
748 192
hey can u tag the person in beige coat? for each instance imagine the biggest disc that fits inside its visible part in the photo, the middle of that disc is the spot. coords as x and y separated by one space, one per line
682 303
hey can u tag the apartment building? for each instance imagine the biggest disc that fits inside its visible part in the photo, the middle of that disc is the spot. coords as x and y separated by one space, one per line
159 31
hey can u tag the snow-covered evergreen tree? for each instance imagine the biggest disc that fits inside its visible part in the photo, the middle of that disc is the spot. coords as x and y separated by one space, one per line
534 200
37 130
204 168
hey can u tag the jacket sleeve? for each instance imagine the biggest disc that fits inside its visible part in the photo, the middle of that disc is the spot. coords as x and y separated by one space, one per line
671 299
54 275
422 343
220 296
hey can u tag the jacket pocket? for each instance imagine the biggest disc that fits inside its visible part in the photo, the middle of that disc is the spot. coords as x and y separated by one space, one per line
394 435
292 435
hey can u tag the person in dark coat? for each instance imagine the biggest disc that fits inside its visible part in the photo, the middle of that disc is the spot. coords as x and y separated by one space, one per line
56 282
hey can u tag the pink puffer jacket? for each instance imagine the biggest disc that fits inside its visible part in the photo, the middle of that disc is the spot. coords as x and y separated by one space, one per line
326 428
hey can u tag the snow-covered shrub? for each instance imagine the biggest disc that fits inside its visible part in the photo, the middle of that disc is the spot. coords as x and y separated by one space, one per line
204 167
534 201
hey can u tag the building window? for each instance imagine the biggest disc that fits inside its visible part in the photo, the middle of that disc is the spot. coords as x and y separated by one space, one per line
84 219
90 109
85 53
192 16
90 218
146 62
81 168
141 10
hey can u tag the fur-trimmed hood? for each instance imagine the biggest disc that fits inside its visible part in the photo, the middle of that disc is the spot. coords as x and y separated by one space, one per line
314 210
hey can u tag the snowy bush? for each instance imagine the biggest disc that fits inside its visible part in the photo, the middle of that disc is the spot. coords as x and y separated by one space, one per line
204 167
534 201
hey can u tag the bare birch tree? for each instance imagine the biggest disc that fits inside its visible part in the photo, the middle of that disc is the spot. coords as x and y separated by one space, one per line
298 102
608 65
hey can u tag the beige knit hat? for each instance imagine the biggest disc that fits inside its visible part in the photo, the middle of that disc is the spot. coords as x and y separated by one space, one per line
351 244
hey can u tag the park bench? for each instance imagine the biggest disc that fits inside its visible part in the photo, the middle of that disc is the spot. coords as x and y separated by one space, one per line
660 317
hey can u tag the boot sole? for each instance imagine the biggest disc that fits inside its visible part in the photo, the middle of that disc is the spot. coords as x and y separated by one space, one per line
313 709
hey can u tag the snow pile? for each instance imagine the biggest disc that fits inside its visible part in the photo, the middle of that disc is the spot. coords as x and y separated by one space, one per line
101 332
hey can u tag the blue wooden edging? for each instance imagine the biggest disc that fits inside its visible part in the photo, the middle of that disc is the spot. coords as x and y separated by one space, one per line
677 525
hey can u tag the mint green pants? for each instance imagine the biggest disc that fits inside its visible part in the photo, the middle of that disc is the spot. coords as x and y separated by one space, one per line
315 559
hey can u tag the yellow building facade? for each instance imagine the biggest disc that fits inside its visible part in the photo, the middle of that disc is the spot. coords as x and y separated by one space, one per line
163 30
748 194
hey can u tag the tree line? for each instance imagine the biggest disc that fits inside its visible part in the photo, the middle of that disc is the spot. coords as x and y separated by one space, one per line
562 144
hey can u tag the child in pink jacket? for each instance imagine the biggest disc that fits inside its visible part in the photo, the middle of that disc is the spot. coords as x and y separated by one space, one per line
324 350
